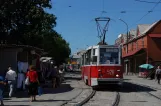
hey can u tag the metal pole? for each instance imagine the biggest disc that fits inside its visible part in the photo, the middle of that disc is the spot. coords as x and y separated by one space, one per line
127 28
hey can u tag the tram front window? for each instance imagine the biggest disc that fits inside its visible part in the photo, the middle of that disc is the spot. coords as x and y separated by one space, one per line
109 56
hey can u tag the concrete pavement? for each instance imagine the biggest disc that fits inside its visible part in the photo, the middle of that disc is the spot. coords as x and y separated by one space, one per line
142 81
51 97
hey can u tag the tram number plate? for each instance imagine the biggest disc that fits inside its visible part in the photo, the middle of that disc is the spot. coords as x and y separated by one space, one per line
110 72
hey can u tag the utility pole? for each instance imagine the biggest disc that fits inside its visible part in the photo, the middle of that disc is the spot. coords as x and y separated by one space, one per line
127 37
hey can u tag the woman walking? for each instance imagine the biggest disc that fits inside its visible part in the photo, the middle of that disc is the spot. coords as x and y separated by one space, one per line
33 86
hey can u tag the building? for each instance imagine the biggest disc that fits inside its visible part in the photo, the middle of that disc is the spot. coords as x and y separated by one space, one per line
144 47
75 59
11 54
122 38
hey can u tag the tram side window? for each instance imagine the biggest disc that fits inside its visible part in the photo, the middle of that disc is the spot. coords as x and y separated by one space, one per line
94 57
88 57
109 56
82 59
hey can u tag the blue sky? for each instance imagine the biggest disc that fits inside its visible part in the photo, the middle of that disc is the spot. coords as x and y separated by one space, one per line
75 18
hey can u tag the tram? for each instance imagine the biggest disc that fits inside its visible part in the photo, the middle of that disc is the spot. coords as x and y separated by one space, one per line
101 64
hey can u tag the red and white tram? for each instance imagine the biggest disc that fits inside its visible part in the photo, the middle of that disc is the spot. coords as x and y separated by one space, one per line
101 64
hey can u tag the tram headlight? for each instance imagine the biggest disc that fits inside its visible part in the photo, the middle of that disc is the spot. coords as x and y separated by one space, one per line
118 70
99 70
117 75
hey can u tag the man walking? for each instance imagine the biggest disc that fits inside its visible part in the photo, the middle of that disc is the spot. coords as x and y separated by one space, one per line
11 77
158 74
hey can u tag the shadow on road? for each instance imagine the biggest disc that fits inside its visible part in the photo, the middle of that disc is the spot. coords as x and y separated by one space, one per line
50 100
63 88
73 78
24 94
126 87
17 105
126 79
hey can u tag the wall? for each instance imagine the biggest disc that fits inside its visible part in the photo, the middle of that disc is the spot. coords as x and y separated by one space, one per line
154 44
8 57
135 45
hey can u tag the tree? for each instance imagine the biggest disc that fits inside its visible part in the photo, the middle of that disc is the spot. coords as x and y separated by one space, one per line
26 22
56 46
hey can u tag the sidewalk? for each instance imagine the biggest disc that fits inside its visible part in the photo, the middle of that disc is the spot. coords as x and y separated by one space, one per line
142 81
50 97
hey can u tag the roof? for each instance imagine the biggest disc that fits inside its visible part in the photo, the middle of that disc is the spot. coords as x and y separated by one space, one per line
37 50
133 32
151 26
142 28
19 46
45 59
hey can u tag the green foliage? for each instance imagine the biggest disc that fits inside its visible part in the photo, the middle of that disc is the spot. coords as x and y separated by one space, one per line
26 22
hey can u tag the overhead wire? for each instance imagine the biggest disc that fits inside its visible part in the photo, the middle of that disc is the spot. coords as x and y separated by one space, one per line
151 10
146 1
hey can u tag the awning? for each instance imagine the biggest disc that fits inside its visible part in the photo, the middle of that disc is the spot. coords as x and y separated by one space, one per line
134 52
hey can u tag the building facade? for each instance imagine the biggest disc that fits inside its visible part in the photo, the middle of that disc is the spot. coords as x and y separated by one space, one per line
143 48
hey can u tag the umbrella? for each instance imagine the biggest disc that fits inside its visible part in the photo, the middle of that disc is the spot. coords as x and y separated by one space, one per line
146 66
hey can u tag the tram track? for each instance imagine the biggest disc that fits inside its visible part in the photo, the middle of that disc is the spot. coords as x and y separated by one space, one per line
82 100
74 101
117 99
66 102
103 98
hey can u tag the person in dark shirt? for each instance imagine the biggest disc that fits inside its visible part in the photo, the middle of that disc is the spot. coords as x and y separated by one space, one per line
2 85
158 74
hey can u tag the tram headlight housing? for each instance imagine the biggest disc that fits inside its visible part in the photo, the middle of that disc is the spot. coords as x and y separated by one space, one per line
118 70
99 73
117 75
99 70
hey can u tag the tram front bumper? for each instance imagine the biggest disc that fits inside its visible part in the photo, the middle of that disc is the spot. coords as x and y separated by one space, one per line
110 81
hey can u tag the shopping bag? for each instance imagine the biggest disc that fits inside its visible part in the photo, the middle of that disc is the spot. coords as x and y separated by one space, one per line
40 91
27 82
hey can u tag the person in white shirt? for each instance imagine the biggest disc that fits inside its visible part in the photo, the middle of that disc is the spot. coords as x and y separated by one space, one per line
11 77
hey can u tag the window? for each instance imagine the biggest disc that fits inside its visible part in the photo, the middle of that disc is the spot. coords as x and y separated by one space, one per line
109 56
94 51
136 45
142 42
94 57
88 57
132 46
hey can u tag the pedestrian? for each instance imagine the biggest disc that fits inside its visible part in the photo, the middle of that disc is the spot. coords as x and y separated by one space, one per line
53 76
57 76
2 85
34 82
11 78
158 74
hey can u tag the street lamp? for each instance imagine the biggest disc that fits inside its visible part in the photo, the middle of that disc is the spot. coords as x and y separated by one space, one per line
127 28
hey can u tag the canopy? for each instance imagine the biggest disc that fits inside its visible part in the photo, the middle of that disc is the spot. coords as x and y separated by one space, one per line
146 66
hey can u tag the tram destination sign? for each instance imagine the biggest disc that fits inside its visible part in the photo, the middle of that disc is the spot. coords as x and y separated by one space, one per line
112 50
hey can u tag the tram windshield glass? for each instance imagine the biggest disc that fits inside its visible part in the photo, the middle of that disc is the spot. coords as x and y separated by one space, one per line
109 56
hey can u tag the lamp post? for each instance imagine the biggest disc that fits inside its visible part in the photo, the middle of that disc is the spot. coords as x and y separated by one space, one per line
126 42
127 28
